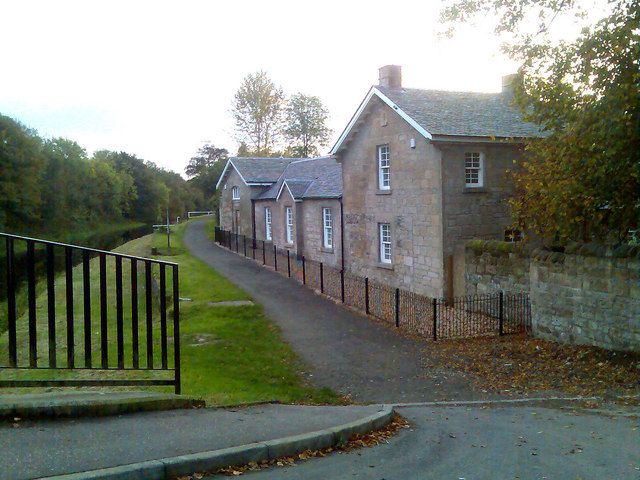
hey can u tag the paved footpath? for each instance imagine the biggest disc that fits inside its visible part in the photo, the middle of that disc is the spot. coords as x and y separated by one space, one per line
343 350
474 443
55 447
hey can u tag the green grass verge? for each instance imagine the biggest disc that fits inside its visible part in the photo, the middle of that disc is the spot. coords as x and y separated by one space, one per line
230 354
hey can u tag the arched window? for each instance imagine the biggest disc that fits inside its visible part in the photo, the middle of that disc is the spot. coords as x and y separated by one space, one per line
235 192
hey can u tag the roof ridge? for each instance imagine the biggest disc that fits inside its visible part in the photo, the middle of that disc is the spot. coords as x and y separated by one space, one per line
323 157
439 90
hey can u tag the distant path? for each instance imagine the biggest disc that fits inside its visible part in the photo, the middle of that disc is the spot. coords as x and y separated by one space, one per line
344 351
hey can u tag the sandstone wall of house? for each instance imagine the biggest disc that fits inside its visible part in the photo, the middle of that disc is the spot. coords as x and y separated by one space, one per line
278 220
413 206
582 297
475 213
312 246
472 213
240 209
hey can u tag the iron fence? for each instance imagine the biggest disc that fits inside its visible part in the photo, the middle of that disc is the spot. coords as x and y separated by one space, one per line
108 312
496 313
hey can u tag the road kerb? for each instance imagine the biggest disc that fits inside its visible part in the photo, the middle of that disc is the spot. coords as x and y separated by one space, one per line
170 467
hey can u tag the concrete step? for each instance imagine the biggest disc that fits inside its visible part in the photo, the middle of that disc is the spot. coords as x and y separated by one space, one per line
90 404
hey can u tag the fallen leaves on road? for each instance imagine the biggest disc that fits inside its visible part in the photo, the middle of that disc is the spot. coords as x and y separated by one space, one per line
357 441
520 365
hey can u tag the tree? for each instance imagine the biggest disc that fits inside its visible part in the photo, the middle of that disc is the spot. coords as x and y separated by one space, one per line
257 109
305 125
581 182
21 163
205 170
207 156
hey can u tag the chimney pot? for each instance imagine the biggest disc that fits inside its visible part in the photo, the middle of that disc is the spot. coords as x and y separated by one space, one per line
390 76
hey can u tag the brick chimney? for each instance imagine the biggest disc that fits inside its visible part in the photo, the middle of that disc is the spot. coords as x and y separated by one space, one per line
390 76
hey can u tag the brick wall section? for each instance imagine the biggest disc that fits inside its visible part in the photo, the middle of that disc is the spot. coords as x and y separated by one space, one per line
575 298
413 208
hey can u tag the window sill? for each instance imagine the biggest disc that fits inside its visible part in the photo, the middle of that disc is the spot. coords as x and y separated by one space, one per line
385 266
383 192
327 250
474 190
288 245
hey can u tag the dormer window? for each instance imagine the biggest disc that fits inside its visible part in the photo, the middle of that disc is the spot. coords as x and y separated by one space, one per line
235 193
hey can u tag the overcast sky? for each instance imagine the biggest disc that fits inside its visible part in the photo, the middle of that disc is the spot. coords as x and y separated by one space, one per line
156 79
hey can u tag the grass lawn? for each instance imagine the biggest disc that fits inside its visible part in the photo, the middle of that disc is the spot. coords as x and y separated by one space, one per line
230 354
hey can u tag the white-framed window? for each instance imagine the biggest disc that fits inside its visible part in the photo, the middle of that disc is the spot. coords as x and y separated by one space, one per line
235 193
267 223
474 169
385 242
327 228
384 178
289 217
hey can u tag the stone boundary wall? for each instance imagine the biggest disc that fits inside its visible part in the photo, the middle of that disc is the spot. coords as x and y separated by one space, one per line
493 266
587 295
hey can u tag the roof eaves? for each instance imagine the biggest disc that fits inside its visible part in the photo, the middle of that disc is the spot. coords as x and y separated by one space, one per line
440 138
224 173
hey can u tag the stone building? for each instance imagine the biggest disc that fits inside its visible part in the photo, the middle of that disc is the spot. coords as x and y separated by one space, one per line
299 210
242 180
304 210
423 171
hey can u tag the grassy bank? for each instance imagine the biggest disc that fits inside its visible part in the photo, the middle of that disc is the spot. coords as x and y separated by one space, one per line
230 354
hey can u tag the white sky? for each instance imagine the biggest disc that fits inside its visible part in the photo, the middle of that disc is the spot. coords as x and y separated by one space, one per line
156 79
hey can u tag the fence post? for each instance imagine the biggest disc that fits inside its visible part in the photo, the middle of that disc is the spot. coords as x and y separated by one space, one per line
321 278
264 254
288 265
435 319
253 248
342 285
237 246
176 330
366 295
397 308
244 244
304 272
501 313
275 258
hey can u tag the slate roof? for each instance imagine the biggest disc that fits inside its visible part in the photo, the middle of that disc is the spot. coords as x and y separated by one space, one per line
319 177
261 169
442 112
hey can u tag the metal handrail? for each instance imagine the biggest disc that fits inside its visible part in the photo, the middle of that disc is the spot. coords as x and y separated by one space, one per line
88 249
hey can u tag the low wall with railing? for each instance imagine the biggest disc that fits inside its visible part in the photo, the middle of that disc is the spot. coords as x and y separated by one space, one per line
586 295
494 313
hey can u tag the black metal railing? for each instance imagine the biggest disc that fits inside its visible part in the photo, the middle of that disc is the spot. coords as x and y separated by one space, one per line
91 326
496 313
